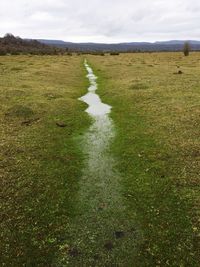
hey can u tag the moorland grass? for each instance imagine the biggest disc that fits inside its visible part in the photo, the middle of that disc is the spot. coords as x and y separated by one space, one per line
156 114
156 117
40 162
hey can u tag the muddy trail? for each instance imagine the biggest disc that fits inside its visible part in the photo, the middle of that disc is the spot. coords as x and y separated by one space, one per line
102 232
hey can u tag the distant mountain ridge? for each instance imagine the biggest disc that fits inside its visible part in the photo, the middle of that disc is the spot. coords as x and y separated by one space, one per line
192 42
10 44
171 45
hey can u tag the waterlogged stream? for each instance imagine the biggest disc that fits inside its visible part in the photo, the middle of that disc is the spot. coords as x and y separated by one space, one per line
95 106
102 232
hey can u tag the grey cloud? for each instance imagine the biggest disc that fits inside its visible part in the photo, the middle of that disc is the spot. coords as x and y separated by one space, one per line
101 20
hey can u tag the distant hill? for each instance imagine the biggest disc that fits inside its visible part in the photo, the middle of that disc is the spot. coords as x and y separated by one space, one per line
51 42
10 44
178 42
173 45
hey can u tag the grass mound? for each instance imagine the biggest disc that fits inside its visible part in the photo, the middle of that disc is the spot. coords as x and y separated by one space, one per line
20 111
139 86
52 96
15 93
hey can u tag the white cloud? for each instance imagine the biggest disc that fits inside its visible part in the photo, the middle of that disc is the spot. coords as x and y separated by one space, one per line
101 20
41 16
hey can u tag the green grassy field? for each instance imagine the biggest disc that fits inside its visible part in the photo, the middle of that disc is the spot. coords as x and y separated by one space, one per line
156 113
41 162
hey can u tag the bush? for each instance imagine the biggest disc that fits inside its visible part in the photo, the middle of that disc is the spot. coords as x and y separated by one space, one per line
3 52
114 54
186 48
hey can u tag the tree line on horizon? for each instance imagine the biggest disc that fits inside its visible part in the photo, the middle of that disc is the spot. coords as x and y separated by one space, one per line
12 45
9 44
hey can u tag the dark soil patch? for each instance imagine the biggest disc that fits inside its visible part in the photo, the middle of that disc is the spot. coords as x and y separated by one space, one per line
108 245
119 234
74 252
16 69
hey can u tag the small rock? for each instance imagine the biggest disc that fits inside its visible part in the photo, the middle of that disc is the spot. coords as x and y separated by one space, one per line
61 124
179 72
29 122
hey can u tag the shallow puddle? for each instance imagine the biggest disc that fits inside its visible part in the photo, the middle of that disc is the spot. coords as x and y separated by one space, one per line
101 233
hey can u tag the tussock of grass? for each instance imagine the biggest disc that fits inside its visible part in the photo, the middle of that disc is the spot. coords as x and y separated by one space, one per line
16 69
51 96
25 86
139 86
20 111
16 93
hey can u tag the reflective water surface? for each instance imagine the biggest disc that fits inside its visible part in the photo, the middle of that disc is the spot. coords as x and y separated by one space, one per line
102 231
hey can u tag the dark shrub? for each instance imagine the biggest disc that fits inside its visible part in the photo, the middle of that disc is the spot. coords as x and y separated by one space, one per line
186 49
114 54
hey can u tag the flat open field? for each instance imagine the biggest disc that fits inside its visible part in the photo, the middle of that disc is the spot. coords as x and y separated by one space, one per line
139 204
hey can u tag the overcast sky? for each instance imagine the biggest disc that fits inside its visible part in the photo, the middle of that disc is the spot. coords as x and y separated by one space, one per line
101 20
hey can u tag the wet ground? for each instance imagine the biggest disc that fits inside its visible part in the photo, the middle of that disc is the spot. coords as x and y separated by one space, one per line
102 232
